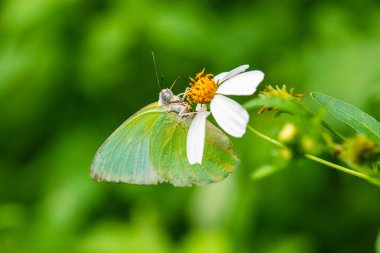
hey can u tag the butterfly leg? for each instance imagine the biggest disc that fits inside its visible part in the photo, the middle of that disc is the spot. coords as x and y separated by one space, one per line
200 108
182 113
183 94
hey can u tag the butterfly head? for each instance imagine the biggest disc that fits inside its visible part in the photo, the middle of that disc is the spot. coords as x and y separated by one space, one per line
165 97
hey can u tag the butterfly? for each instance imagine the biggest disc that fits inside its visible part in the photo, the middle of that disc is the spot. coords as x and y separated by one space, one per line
150 148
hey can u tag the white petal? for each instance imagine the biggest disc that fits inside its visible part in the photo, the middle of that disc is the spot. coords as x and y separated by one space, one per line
201 108
196 138
222 77
242 84
218 78
230 115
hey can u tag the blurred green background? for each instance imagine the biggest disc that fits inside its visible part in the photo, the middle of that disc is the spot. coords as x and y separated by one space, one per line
71 71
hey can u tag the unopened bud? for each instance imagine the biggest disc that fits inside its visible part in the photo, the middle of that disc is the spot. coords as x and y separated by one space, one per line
287 133
286 154
307 143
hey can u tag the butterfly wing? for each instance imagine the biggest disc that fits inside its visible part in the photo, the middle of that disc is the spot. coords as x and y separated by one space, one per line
168 153
124 156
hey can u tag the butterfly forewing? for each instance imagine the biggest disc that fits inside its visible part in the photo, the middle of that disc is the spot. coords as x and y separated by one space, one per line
124 156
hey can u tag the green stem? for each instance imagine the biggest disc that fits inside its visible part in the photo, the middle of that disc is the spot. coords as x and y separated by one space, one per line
324 124
332 130
312 157
267 138
338 167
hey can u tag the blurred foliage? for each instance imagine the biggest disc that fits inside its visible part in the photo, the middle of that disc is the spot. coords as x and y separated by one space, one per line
313 136
72 70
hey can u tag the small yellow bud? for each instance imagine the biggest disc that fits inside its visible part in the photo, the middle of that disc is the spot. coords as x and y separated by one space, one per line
287 132
286 154
307 143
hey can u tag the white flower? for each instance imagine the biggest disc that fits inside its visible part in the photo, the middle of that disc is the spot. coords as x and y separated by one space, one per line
229 115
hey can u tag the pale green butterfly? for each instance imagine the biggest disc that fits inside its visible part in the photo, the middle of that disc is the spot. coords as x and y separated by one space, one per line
150 148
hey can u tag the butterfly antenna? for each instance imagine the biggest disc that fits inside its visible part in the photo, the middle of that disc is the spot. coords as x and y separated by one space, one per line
178 77
156 70
162 79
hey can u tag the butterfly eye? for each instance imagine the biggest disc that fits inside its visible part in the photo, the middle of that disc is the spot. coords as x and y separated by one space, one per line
165 96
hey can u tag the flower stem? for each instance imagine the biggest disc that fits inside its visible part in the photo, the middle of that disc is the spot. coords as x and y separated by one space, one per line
267 138
324 124
338 167
312 157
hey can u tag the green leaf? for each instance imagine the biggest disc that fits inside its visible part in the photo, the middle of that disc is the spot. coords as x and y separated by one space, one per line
351 115
282 105
378 243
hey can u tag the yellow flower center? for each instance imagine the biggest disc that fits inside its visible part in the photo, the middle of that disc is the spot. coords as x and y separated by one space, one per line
203 88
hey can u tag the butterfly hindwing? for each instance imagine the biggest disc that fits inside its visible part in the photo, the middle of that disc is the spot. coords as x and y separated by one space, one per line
124 155
168 153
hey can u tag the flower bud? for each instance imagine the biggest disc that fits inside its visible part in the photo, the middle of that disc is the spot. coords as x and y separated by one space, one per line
308 143
360 150
285 154
287 133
